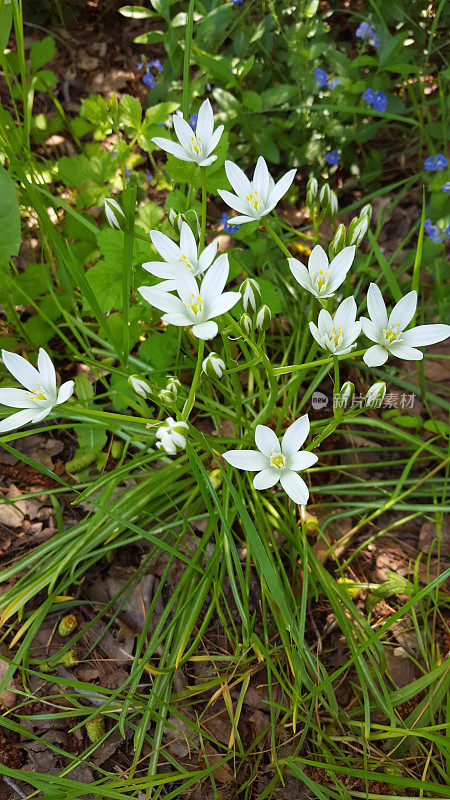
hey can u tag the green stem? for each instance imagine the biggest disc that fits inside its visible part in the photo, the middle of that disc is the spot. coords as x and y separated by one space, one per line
318 363
204 198
337 384
129 203
275 237
94 414
195 380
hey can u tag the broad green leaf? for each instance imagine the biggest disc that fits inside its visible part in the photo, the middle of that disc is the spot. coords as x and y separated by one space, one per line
152 37
9 219
41 52
130 112
277 95
252 100
160 349
159 113
5 25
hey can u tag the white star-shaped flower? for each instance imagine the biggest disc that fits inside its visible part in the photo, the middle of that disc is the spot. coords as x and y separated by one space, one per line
196 306
194 145
274 462
177 258
171 436
337 334
41 393
322 278
254 199
389 333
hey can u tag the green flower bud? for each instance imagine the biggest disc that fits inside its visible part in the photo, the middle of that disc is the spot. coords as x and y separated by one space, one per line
67 625
250 293
246 323
338 242
311 193
333 206
139 386
366 211
357 229
169 394
215 476
263 318
213 365
324 196
375 395
114 213
95 729
342 399
69 659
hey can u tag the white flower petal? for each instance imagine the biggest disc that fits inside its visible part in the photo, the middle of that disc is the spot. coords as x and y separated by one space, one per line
17 420
261 178
173 148
186 285
300 273
21 369
238 179
162 300
219 305
205 330
325 321
280 189
302 460
160 269
242 219
178 319
205 122
65 391
234 201
47 374
215 279
295 435
267 478
208 255
375 356
16 398
166 248
404 310
266 440
295 487
376 308
318 260
400 350
246 459
316 333
215 138
423 335
371 330
188 245
207 161
184 133
345 313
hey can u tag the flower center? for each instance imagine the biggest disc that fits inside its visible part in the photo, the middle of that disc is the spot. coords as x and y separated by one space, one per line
37 395
393 334
253 199
335 336
277 459
183 260
196 143
196 304
321 279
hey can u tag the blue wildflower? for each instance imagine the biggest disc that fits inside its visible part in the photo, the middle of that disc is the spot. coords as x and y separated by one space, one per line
369 96
380 102
440 162
365 31
149 176
333 82
445 187
321 76
149 80
139 65
332 157
157 64
447 232
428 226
429 164
432 231
226 227
127 172
236 2
193 119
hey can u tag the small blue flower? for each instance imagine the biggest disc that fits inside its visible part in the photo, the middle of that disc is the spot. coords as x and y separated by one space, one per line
433 232
445 187
332 158
127 172
193 119
236 2
369 96
447 232
157 64
333 82
149 176
428 226
429 164
380 102
139 65
321 76
226 227
440 162
149 80
365 31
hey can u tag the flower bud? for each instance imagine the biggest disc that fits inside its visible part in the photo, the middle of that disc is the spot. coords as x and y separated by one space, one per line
357 230
95 729
341 399
246 323
215 476
366 211
333 206
169 394
176 219
324 196
375 395
250 293
114 213
311 192
139 386
213 366
263 318
338 242
67 625
69 659
170 436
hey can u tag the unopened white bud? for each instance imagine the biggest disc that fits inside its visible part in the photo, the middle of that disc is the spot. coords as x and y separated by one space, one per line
250 293
246 323
263 318
139 386
375 395
366 211
324 195
176 219
357 230
171 436
333 205
311 192
114 213
338 241
341 399
213 365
